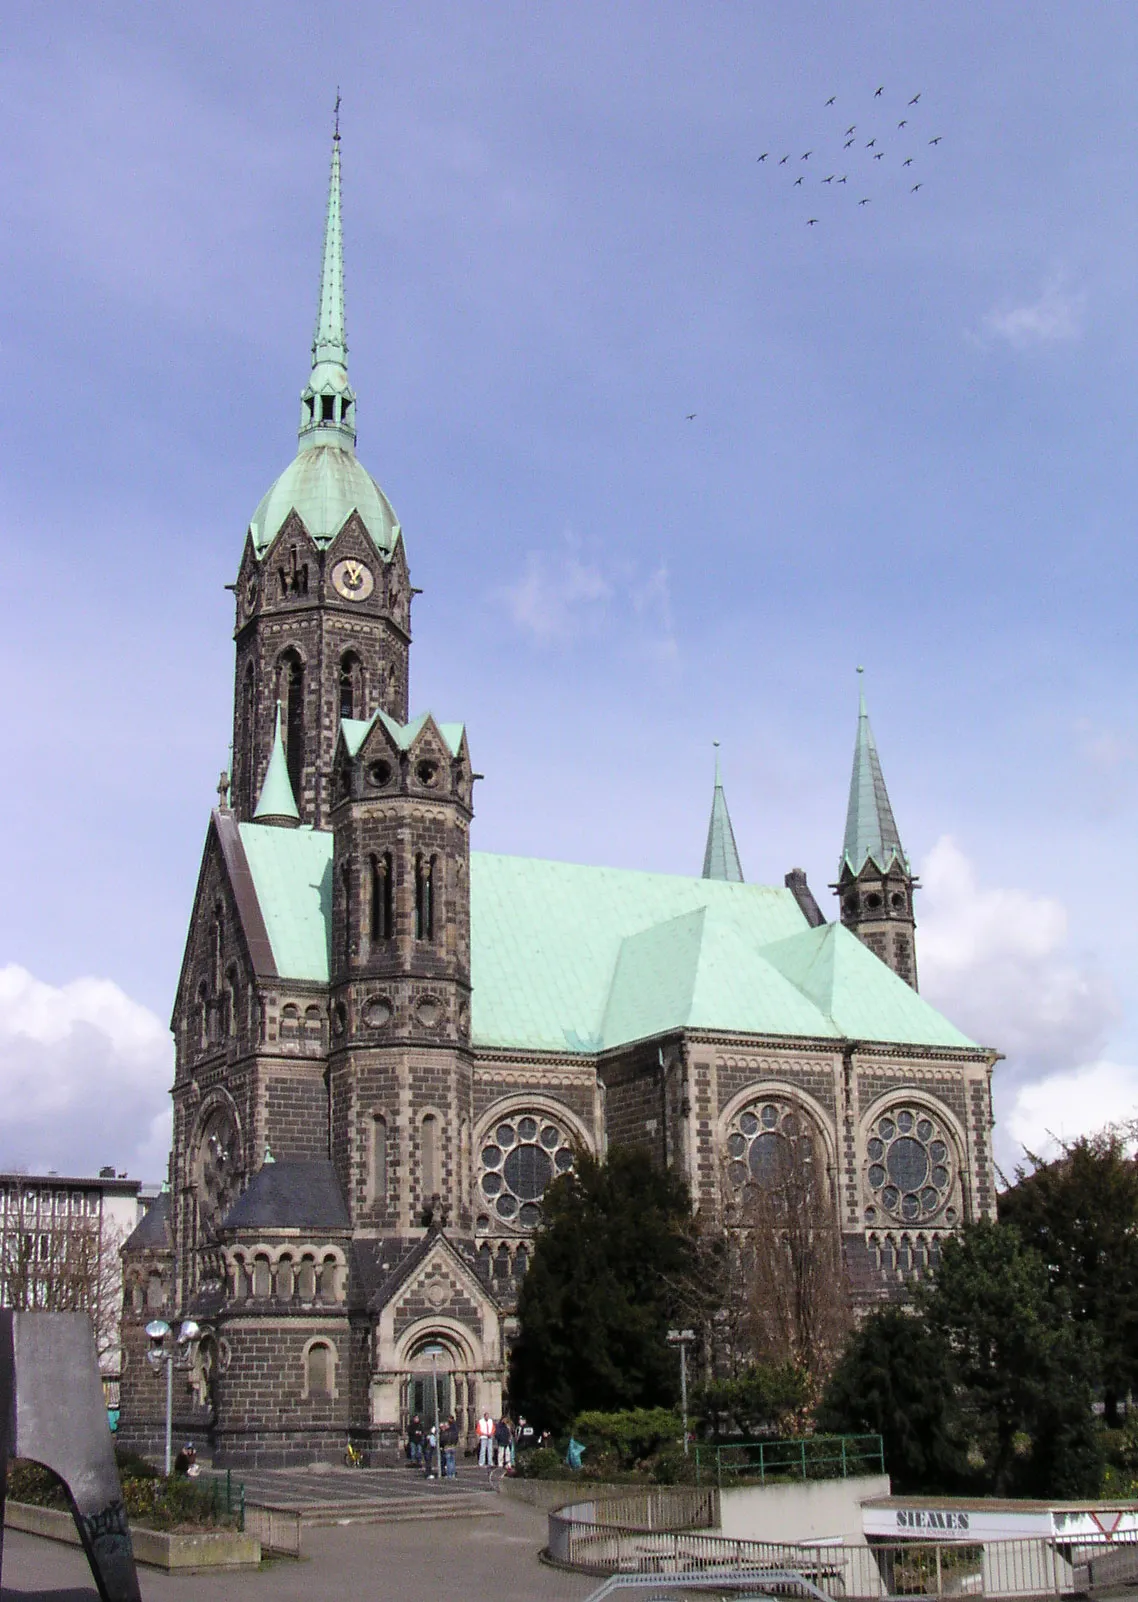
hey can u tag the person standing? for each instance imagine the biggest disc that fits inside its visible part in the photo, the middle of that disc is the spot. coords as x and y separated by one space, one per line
486 1440
415 1440
430 1452
503 1438
450 1448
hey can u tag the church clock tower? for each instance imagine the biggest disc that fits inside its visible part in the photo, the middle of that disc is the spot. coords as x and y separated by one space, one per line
323 622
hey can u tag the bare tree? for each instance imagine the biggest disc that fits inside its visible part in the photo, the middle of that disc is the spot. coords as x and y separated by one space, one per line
62 1263
797 1296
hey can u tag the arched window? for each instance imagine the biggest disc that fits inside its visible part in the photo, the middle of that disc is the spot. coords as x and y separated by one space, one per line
346 889
285 1280
382 896
318 1369
328 1280
291 693
155 1290
262 1279
313 1029
229 1003
429 1152
290 1021
351 686
248 766
425 869
379 1160
203 1015
306 1280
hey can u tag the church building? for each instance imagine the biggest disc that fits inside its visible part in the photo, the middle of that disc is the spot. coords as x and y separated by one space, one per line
388 1045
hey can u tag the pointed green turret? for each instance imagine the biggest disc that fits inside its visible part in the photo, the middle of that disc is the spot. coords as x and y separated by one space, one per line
277 803
721 855
871 830
328 406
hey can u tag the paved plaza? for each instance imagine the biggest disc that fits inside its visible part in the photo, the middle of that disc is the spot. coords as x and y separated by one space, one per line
444 1559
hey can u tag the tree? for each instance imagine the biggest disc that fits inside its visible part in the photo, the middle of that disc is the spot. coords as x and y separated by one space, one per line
61 1263
597 1300
1023 1368
1080 1213
894 1379
797 1296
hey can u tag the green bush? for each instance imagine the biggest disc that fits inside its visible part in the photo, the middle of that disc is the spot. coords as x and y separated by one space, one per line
542 1463
627 1438
31 1482
134 1465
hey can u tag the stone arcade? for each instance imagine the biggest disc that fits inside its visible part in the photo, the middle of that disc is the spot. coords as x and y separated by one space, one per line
386 1046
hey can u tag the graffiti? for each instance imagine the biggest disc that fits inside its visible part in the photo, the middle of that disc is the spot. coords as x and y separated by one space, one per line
107 1531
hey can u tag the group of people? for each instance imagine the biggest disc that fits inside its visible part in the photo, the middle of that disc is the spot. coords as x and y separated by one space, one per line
437 1454
434 1448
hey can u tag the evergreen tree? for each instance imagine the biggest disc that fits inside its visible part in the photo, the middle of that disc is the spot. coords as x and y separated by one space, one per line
895 1380
595 1305
1080 1213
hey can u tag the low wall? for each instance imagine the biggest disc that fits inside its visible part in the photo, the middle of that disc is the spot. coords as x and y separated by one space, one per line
548 1494
175 1551
805 1510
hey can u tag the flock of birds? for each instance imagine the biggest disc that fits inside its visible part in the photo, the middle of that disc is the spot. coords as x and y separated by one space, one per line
863 147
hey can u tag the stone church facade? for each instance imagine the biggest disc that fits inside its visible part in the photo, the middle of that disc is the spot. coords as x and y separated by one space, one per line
387 1046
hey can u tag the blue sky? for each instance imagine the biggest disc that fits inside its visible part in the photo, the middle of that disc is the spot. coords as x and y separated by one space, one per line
912 448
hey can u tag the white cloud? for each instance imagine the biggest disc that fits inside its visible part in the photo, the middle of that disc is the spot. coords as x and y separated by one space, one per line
1066 1105
1055 316
85 1074
557 599
997 962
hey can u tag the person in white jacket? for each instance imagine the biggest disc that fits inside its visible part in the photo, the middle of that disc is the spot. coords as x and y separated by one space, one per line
485 1441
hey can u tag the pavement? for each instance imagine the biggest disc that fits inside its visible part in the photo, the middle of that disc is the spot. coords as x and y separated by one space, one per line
445 1559
324 1484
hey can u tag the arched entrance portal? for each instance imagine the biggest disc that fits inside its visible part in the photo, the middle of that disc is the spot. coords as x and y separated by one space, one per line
438 1362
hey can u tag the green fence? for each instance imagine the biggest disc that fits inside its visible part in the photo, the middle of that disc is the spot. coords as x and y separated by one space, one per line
811 1457
226 1493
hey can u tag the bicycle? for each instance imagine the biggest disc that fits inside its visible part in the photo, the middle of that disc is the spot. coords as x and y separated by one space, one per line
354 1456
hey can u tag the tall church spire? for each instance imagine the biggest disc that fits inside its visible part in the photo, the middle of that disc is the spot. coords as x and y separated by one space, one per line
875 884
721 855
328 406
871 830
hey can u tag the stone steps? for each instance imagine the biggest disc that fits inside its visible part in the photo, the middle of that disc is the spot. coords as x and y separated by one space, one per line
385 1510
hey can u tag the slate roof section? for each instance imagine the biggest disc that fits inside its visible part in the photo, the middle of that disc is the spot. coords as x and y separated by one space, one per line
291 1195
152 1232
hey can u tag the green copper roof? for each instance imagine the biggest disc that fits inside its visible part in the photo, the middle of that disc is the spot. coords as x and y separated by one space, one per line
276 799
292 875
871 831
330 341
404 735
721 855
577 959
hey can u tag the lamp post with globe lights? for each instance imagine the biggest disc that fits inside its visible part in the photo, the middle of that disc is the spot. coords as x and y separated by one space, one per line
176 1352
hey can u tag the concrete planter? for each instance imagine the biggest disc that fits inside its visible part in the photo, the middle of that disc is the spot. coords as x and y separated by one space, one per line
175 1551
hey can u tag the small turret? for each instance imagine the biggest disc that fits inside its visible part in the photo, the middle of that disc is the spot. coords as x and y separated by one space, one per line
277 804
875 883
721 855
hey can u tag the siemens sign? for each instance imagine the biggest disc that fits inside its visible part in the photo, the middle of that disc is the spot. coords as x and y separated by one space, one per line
921 1518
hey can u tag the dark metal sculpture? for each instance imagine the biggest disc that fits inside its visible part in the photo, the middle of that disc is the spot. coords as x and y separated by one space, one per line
52 1412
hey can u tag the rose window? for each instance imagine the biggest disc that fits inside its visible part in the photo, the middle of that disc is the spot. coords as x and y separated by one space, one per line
219 1167
763 1142
910 1166
519 1158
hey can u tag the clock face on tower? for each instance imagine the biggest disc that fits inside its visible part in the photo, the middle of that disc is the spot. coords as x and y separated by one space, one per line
352 579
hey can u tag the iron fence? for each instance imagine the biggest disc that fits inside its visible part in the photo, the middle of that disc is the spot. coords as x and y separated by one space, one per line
809 1457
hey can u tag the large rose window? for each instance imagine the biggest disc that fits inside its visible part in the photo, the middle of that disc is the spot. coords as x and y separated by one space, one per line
219 1167
764 1141
520 1156
909 1171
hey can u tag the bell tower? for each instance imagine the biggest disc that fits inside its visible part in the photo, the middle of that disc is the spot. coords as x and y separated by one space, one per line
875 883
323 598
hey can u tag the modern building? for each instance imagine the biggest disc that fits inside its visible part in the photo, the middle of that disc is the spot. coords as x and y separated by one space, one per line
387 1045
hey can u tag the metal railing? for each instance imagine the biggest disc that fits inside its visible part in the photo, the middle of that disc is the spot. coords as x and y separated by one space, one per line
809 1457
844 1571
228 1495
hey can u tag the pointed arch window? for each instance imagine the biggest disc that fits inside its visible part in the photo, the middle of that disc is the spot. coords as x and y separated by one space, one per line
425 876
351 686
291 693
429 1155
383 896
379 1160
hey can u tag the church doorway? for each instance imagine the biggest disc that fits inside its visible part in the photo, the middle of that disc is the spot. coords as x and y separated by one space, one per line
437 1361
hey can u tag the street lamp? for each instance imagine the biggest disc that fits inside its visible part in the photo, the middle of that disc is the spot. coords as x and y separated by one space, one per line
434 1352
175 1353
683 1339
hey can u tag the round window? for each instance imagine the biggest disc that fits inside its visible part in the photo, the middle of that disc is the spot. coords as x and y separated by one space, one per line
908 1171
763 1141
518 1161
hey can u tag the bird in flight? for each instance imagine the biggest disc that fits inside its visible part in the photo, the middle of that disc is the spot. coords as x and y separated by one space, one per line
904 123
847 144
784 161
908 162
828 180
914 100
807 154
831 100
851 128
878 92
764 155
842 179
915 188
937 140
798 181
810 221
690 415
864 202
880 156
871 143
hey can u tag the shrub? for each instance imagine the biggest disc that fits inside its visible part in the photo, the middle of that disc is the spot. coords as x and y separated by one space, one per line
628 1437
